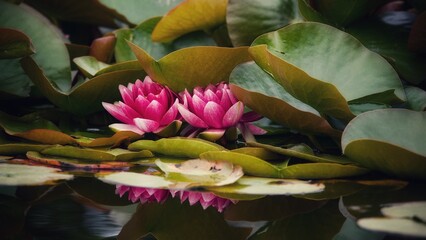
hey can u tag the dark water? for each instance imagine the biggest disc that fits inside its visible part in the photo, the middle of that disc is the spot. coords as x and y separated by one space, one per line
86 208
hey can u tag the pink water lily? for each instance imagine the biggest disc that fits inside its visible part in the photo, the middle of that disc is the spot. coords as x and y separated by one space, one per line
214 109
147 195
147 107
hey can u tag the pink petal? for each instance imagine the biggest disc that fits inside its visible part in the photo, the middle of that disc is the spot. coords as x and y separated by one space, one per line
213 115
154 111
198 105
126 94
209 95
207 196
140 104
251 116
183 196
255 129
231 96
193 198
191 118
128 111
225 102
146 125
198 91
117 127
233 115
116 112
170 115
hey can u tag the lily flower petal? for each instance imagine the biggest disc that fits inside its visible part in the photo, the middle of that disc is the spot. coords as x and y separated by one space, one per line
146 125
213 114
233 115
117 127
191 118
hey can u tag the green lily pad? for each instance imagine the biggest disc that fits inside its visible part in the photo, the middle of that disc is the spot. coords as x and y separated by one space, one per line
258 90
19 175
137 11
46 40
204 15
115 140
416 98
269 15
389 39
34 128
389 140
201 172
141 36
298 56
89 65
258 152
85 98
115 154
251 165
303 151
136 180
74 163
191 67
269 186
335 189
21 148
321 171
176 147
14 44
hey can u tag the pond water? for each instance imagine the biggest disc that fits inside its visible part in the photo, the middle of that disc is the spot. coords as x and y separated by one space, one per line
86 208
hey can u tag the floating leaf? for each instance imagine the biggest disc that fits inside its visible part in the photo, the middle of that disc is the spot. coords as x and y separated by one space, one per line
177 146
21 148
269 15
34 129
321 171
406 210
335 189
205 15
388 36
14 44
258 90
302 151
258 152
389 140
115 154
251 165
201 173
298 56
89 65
73 163
19 175
46 40
115 140
137 11
416 98
140 36
136 180
191 67
268 186
87 97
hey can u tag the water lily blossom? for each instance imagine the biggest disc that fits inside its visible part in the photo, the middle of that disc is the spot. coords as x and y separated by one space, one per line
214 109
147 195
147 107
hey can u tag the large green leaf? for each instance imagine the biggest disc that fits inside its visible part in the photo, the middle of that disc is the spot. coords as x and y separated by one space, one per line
321 171
299 57
46 40
246 20
191 67
141 36
19 175
14 44
87 97
388 36
136 11
416 98
258 90
204 15
14 149
389 140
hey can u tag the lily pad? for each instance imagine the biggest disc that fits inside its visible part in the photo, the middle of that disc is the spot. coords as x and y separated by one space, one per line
258 90
141 36
136 180
259 152
251 165
115 154
13 149
115 140
298 56
201 173
269 15
14 44
400 226
176 147
136 11
269 186
416 98
46 40
205 15
87 97
406 210
89 65
389 140
321 171
18 175
73 163
193 66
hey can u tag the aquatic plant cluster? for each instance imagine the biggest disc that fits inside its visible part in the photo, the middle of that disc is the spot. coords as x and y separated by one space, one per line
213 102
